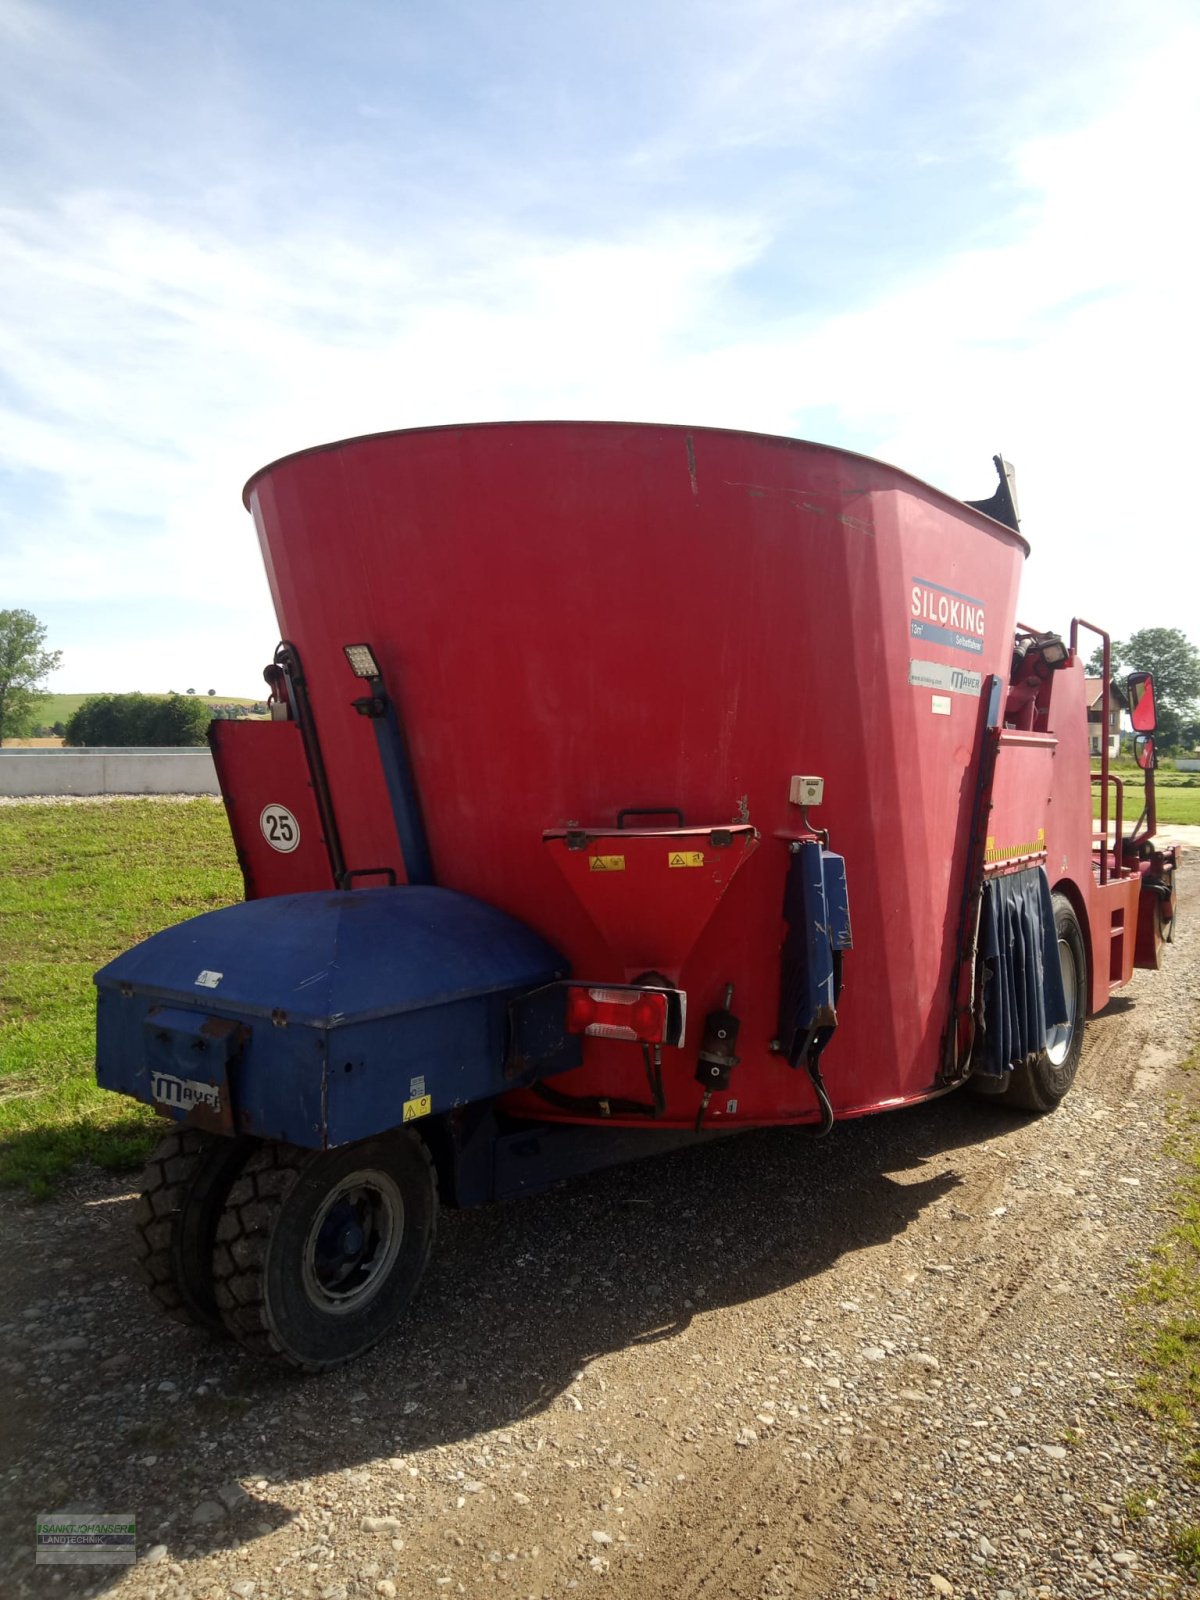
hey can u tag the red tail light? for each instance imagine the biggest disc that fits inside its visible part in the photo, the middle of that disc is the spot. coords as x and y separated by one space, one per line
641 1014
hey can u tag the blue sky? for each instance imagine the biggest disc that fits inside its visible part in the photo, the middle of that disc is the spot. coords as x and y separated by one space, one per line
923 230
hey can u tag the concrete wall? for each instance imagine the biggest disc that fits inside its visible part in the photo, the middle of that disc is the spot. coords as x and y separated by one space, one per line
133 771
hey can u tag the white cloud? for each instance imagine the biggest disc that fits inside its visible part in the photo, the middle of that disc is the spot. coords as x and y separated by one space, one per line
782 71
25 25
154 358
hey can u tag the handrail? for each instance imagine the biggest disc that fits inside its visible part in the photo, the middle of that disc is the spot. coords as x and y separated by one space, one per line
1076 624
1117 846
287 661
956 1052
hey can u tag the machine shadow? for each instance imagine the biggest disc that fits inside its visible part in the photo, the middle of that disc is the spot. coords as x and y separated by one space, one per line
1118 1005
520 1297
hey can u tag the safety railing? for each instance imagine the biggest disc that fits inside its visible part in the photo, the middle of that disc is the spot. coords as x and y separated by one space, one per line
1102 844
1103 775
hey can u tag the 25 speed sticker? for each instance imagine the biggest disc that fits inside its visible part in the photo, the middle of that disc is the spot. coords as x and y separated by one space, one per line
279 828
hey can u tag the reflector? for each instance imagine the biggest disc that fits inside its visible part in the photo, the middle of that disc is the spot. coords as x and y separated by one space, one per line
639 1014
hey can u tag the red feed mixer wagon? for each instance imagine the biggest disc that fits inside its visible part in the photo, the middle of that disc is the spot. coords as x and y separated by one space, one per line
625 785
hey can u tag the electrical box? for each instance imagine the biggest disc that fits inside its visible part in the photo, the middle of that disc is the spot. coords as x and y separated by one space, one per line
807 791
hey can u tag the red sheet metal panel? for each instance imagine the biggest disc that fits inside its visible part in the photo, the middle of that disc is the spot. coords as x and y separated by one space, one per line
272 812
577 618
1022 794
652 892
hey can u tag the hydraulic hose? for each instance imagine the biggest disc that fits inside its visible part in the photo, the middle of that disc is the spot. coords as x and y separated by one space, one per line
818 1083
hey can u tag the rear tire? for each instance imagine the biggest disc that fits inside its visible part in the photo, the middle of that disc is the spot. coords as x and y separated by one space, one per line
1040 1085
183 1194
318 1253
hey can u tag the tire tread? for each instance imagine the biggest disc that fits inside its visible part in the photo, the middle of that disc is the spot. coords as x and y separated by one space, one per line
175 1166
252 1208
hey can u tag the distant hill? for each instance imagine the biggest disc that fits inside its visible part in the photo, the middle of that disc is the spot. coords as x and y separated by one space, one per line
58 707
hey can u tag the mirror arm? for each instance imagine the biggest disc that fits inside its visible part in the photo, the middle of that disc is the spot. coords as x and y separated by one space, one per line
1150 813
1146 757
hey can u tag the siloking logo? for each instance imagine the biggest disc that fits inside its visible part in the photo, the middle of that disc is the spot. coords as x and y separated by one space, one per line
943 616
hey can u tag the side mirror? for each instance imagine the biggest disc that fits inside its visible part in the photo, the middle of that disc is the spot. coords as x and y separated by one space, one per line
1139 687
1143 752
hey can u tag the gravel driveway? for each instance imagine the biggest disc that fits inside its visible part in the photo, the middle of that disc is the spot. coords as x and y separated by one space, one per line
890 1364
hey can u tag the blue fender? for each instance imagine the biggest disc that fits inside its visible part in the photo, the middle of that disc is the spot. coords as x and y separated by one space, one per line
323 1018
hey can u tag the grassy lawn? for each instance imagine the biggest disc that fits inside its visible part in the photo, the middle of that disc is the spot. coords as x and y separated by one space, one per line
1176 797
81 884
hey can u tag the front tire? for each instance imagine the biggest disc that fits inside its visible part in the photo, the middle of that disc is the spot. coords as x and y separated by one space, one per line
1040 1085
318 1253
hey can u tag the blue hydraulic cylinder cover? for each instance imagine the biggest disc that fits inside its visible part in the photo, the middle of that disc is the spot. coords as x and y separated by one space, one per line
816 908
837 900
325 1017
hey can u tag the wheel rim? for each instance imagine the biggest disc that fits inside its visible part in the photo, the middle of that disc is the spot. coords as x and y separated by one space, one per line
1059 1043
353 1242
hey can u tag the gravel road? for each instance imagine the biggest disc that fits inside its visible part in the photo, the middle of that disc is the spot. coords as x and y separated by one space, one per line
888 1364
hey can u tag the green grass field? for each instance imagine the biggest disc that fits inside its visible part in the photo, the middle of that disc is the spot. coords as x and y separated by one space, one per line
81 884
1176 797
58 707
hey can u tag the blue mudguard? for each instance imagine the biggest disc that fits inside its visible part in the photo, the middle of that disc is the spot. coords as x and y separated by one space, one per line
323 1018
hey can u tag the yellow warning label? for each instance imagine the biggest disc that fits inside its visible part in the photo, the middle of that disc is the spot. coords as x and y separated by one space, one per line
418 1108
686 858
1008 852
607 863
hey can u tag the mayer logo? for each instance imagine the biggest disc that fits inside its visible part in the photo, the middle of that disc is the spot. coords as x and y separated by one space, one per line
944 616
184 1093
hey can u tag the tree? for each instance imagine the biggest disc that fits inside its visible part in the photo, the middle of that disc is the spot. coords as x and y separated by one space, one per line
138 719
1166 652
23 665
1175 663
180 721
1171 657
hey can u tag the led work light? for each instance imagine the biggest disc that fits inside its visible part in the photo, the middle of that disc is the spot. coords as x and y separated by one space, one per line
362 660
1054 651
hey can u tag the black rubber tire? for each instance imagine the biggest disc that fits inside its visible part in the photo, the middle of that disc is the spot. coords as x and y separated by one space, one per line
1040 1085
264 1265
176 1216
